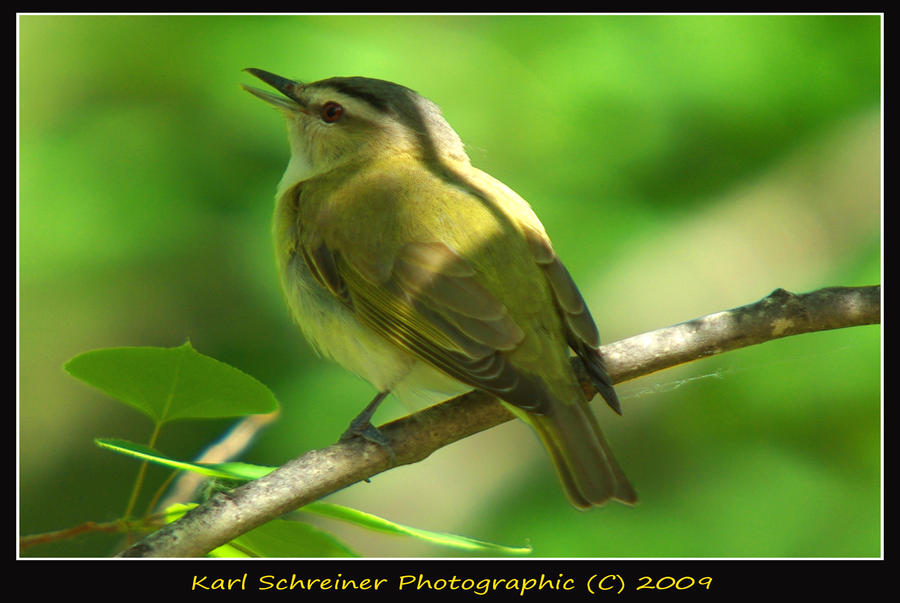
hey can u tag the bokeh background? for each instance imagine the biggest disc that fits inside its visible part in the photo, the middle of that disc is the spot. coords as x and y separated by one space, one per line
682 165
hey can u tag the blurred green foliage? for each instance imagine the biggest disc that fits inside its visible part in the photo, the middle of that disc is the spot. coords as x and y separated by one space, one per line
682 165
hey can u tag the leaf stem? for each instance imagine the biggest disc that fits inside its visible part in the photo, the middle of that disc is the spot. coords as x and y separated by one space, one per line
142 471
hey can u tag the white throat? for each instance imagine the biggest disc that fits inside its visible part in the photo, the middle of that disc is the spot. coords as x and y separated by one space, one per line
298 169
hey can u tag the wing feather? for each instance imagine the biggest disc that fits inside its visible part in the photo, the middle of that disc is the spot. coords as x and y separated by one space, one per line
433 306
581 333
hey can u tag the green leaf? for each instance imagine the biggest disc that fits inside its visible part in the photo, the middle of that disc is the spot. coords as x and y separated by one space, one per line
280 538
276 538
373 522
172 383
231 470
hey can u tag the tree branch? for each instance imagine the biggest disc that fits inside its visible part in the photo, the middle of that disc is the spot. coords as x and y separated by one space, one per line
317 473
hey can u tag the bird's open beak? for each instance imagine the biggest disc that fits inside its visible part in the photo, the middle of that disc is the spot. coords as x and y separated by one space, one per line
289 88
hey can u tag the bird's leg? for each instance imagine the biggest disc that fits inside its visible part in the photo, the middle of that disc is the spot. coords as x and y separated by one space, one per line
362 426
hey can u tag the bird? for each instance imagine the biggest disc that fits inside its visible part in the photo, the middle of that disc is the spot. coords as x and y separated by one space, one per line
426 276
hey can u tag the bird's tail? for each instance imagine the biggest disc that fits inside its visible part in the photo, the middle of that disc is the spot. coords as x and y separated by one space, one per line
585 464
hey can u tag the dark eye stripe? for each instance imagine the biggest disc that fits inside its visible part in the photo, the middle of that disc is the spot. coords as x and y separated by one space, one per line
358 91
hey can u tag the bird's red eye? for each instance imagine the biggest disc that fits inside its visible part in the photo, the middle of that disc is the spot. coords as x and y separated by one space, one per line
331 112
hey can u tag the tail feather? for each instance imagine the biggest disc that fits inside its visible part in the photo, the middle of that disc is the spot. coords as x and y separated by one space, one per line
584 462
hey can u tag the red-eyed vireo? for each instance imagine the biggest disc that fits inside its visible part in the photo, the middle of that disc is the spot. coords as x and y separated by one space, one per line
428 277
